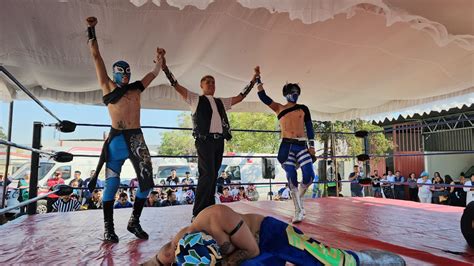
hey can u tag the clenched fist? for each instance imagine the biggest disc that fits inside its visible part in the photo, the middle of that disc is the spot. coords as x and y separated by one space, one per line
91 21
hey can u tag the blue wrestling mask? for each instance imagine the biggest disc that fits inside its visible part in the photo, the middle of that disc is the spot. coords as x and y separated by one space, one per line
121 69
291 91
197 248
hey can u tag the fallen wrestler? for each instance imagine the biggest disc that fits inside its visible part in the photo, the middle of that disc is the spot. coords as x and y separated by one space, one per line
220 236
125 140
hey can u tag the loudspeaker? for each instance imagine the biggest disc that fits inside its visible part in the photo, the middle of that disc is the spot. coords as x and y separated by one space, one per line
268 168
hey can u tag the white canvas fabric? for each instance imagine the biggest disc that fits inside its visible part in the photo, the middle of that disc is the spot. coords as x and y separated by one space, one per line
369 59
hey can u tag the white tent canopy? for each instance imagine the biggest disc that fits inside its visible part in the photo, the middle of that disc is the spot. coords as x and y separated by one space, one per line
367 59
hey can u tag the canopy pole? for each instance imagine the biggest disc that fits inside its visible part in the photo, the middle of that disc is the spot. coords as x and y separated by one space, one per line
7 163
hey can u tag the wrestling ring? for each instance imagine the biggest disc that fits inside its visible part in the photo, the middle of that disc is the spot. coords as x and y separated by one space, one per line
423 234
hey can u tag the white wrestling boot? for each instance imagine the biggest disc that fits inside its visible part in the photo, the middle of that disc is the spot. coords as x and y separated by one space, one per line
301 192
299 216
379 257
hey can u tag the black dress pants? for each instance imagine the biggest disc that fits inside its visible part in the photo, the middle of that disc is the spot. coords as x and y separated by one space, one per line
210 152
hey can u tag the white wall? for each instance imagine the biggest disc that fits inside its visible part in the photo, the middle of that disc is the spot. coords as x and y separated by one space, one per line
452 164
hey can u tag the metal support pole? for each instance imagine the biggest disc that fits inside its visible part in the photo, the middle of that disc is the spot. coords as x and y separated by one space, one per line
366 151
7 163
334 160
270 193
36 143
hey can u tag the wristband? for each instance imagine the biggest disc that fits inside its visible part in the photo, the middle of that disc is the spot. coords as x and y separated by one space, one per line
91 33
247 89
170 76
157 68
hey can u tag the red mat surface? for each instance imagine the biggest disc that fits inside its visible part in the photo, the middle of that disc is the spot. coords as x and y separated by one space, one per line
423 234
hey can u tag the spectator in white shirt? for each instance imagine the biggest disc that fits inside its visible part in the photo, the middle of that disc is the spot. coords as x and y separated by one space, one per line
469 190
235 190
424 190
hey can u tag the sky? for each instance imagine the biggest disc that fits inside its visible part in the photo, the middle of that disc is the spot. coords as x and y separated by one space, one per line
26 112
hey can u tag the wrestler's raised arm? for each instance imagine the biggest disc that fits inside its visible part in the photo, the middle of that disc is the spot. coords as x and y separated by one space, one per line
180 89
148 78
276 107
105 82
246 90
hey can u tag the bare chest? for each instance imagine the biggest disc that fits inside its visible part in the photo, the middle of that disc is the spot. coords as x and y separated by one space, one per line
292 119
129 101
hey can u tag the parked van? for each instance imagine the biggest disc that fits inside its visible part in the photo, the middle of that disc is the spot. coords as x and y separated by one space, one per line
164 170
47 168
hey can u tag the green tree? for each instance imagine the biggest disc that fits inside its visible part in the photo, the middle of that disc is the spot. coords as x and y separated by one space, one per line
2 134
255 142
178 142
349 144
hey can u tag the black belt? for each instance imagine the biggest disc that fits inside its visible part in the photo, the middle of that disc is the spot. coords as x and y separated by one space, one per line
210 136
294 141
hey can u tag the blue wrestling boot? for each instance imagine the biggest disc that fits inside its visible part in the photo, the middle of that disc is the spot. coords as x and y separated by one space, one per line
379 257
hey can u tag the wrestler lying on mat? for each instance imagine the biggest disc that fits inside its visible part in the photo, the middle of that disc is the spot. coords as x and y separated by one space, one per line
220 236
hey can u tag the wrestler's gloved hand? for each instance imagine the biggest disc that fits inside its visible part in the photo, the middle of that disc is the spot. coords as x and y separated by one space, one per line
91 22
257 77
158 62
249 86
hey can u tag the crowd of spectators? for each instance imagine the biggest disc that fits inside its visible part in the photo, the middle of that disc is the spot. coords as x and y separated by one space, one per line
422 188
237 192
181 191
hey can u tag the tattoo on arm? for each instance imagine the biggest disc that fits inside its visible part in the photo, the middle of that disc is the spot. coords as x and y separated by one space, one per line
121 125
226 247
237 257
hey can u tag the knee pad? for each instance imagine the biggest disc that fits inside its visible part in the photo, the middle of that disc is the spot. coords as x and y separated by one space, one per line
111 186
291 175
142 194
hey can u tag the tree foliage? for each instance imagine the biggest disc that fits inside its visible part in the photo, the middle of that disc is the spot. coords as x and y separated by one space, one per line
348 144
2 134
255 142
178 142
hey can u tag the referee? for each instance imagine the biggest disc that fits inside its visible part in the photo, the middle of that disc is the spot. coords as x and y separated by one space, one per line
66 204
210 129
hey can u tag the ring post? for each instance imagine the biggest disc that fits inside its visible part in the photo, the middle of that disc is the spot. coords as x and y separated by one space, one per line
36 143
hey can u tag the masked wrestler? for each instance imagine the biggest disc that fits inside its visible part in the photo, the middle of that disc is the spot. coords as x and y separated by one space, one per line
294 151
220 236
125 140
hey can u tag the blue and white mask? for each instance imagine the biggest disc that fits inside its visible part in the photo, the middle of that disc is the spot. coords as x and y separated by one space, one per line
292 98
291 91
121 69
